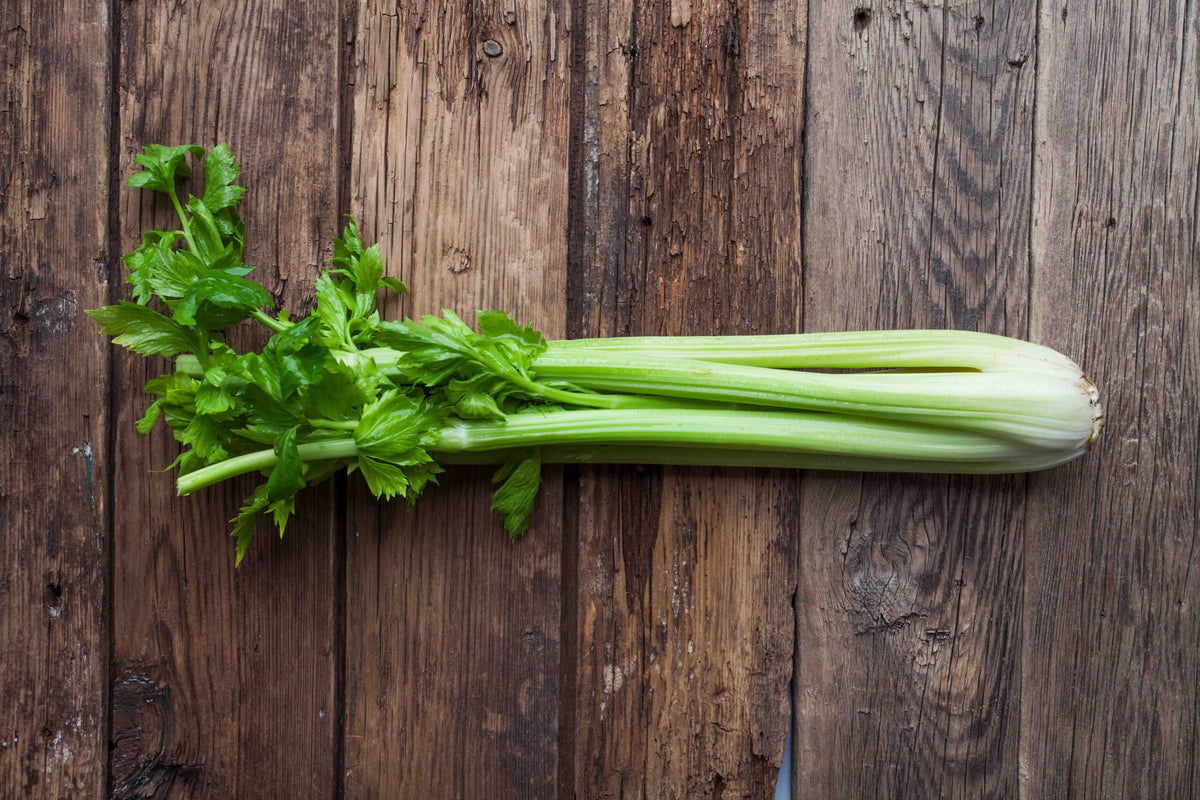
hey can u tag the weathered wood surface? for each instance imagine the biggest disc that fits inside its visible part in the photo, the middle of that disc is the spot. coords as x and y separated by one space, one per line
225 682
919 154
55 261
459 167
1111 671
1022 167
688 221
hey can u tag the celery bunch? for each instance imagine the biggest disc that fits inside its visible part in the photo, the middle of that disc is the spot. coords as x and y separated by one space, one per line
396 400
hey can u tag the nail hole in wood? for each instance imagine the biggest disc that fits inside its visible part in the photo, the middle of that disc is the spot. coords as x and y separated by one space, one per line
862 18
646 222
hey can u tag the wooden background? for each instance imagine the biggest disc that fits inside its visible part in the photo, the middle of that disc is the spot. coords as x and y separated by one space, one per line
1027 167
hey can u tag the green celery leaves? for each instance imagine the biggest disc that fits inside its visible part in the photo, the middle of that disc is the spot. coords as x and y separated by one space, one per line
143 330
314 382
519 481
163 166
220 172
391 436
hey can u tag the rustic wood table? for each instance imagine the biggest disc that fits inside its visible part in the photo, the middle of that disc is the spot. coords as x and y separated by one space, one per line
1023 167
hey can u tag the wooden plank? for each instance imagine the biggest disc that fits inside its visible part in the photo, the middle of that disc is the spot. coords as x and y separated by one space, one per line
918 201
689 222
460 170
224 680
54 368
1111 706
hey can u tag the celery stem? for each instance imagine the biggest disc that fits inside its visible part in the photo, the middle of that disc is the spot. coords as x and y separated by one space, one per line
183 220
276 325
778 432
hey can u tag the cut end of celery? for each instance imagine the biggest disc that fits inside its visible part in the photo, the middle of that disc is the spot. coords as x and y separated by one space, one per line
1097 410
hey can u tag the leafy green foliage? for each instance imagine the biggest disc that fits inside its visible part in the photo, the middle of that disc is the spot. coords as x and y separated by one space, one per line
143 330
391 436
519 481
287 477
483 375
445 347
220 172
346 294
163 166
314 380
152 267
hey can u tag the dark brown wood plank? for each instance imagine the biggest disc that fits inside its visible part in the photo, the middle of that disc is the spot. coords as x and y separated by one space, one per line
460 170
224 680
919 150
1111 706
54 368
689 223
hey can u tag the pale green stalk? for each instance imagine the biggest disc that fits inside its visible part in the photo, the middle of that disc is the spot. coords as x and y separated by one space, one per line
1042 408
779 432
839 350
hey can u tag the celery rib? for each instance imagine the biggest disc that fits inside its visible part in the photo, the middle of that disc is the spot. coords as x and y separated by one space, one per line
785 434
838 350
1045 410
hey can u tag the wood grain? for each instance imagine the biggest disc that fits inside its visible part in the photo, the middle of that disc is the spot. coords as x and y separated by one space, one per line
919 153
688 179
54 369
459 168
972 165
224 680
1111 673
